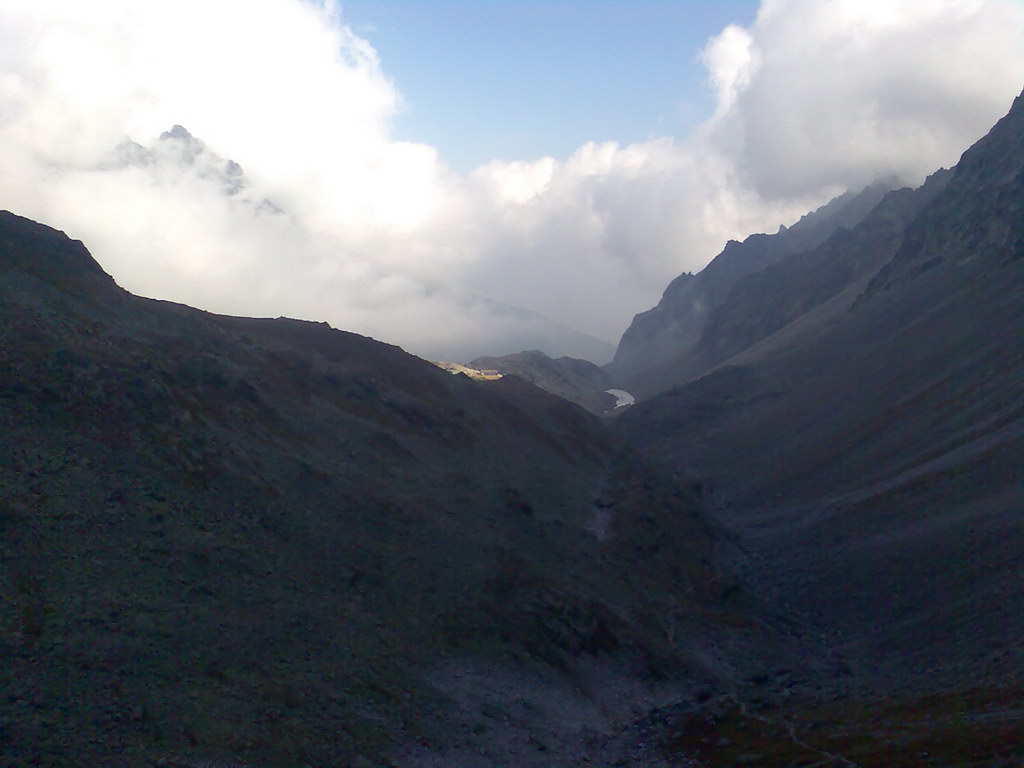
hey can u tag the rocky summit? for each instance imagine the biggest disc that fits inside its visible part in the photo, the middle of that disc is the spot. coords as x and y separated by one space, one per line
234 542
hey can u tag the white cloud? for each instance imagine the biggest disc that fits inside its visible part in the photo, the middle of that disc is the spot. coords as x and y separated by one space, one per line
839 93
731 61
379 236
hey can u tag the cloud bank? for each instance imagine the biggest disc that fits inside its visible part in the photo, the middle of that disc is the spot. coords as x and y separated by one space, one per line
288 196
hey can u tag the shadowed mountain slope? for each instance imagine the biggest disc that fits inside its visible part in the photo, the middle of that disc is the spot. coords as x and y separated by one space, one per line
228 540
870 453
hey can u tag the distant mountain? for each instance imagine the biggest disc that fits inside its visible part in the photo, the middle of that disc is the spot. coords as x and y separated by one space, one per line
500 328
578 381
864 430
662 347
512 329
231 540
177 148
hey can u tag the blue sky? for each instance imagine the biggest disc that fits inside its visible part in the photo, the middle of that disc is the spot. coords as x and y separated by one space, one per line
520 80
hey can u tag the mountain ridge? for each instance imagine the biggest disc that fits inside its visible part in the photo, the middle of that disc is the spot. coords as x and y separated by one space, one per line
231 540
881 441
658 336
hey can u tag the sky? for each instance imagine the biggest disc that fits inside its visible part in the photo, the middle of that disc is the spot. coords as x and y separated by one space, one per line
472 178
520 80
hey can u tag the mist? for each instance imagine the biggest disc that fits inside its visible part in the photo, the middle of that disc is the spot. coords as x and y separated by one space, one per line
284 193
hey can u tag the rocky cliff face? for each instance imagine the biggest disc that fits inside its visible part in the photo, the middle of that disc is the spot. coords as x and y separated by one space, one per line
654 351
793 280
230 540
764 302
975 222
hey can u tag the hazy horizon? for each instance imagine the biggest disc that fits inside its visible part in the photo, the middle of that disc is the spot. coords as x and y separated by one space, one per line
329 216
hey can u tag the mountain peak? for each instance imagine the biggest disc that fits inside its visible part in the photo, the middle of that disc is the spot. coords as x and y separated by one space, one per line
178 133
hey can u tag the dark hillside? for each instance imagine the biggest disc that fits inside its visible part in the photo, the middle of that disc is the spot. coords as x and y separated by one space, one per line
872 462
229 540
